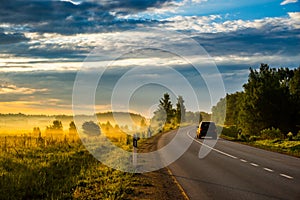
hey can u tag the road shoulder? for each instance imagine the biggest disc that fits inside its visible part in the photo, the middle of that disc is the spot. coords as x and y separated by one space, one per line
160 184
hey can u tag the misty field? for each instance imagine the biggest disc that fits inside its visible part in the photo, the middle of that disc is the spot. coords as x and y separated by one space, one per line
47 168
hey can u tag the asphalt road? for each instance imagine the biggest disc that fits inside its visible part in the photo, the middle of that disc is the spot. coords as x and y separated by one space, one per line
233 171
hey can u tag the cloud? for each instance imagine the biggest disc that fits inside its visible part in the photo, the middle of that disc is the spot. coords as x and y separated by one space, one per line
167 8
288 2
37 92
34 107
295 16
134 5
67 17
229 41
51 45
75 2
244 41
213 24
9 38
6 88
198 1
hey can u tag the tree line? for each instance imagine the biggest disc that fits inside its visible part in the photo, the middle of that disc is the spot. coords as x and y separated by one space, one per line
167 117
167 113
270 99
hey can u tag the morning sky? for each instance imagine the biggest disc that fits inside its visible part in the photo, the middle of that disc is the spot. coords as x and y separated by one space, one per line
43 44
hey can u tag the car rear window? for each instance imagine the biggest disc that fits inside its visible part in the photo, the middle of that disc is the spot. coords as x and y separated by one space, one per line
207 124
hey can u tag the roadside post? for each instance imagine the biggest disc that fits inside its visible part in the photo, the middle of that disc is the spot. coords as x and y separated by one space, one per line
135 140
149 133
135 145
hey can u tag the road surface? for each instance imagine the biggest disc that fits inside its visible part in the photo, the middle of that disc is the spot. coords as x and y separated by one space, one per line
233 171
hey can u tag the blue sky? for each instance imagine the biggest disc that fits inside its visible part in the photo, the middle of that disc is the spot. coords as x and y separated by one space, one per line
44 43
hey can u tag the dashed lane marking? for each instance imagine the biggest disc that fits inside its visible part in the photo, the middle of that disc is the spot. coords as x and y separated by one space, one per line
286 176
234 157
254 164
267 169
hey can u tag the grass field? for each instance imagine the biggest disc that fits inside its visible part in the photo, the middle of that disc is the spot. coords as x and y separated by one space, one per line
58 169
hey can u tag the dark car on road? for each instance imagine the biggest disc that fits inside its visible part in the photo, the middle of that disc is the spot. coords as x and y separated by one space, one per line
207 129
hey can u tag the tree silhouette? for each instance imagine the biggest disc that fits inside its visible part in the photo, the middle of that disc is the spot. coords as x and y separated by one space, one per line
36 132
266 95
72 129
57 125
72 126
180 110
165 108
56 129
271 98
294 87
91 128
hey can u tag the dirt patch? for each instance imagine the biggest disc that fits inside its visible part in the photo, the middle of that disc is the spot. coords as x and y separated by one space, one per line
158 184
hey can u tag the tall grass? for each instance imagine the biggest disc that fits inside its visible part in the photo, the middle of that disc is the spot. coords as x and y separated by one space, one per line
47 168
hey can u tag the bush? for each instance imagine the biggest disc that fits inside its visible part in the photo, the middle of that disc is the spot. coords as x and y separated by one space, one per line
231 131
290 136
297 137
271 133
243 137
254 138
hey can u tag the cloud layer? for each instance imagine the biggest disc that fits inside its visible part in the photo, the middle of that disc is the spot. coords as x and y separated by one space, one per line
43 43
66 17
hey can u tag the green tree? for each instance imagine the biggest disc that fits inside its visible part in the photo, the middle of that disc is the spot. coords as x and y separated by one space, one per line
204 116
180 110
165 109
190 117
294 87
271 98
193 117
294 83
233 108
227 110
219 111
266 100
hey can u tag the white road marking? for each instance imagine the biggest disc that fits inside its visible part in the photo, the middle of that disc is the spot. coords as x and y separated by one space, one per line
254 164
231 156
267 169
221 152
286 176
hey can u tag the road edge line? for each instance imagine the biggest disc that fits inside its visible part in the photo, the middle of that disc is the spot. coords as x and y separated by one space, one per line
184 194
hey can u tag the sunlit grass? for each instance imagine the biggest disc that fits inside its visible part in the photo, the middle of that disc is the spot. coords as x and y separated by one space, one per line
60 169
284 146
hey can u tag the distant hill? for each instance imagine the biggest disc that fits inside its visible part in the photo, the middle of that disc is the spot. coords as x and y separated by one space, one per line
17 124
120 118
